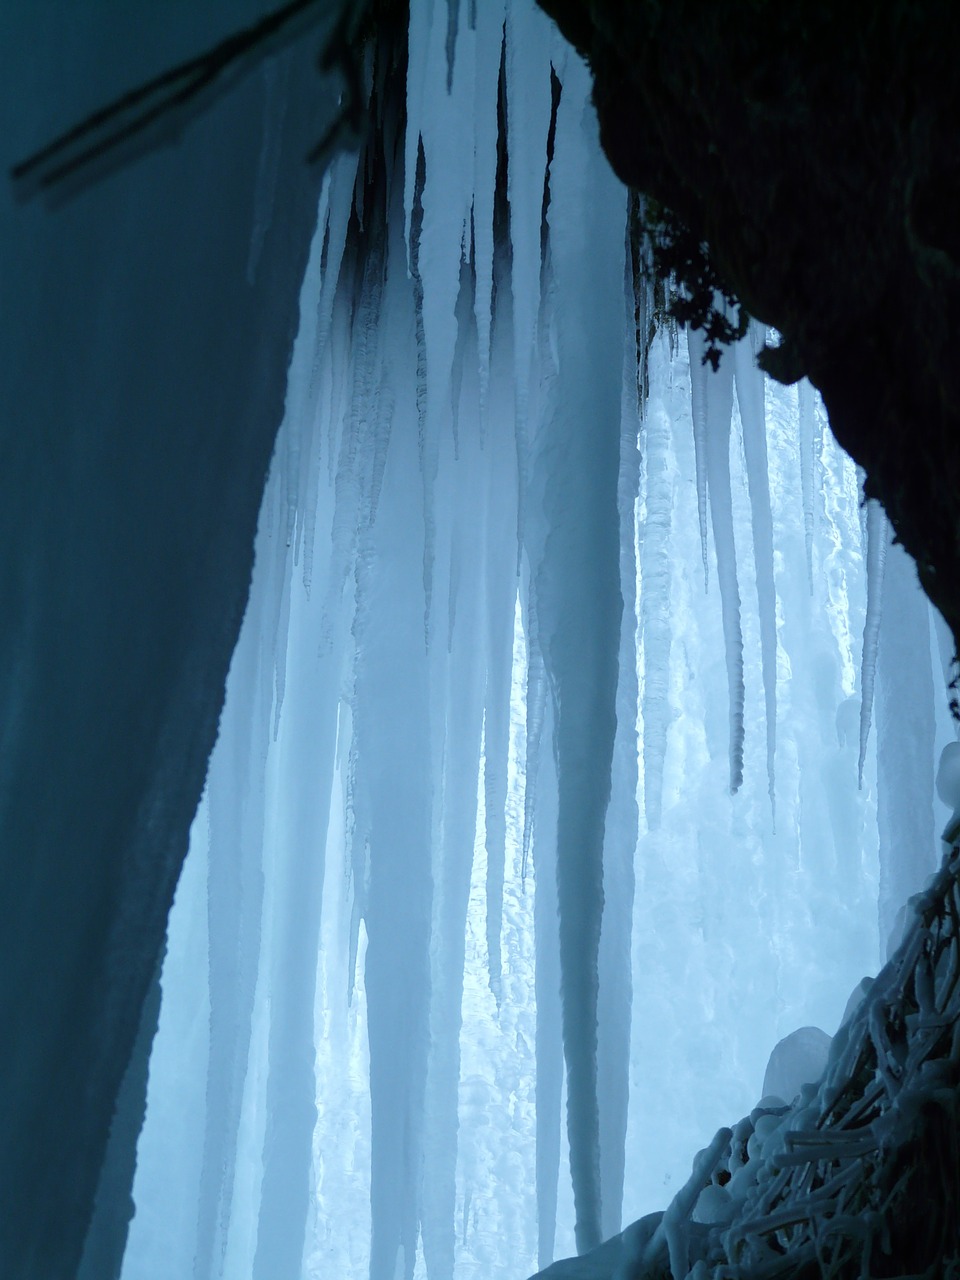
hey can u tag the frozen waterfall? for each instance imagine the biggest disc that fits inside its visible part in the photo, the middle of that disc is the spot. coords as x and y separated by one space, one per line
391 1043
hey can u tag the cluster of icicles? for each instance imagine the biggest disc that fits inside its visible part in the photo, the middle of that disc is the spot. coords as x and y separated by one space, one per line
469 844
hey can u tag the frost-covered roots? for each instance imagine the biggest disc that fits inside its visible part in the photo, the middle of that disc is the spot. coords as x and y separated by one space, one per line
860 1177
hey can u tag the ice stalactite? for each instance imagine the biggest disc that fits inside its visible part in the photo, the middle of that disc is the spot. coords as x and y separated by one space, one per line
877 536
905 743
537 695
495 800
352 487
712 395
528 113
391 726
334 216
656 629
307 736
945 649
549 1041
500 607
489 51
305 732
458 670
698 392
615 1000
750 398
445 129
808 477
465 671
533 544
453 23
577 583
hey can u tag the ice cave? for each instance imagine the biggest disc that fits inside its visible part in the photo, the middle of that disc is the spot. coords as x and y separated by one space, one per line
576 772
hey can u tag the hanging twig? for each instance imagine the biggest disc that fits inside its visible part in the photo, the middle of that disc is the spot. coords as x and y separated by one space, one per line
156 112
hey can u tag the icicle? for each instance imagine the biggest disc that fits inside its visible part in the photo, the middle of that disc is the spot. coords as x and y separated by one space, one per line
528 87
453 21
304 380
358 850
426 450
464 322
878 533
457 686
863 508
577 586
500 484
418 54
655 615
307 744
381 441
615 1001
489 50
945 648
750 398
342 179
712 394
495 799
306 545
391 729
533 543
905 743
699 376
305 730
437 238
363 418
536 711
805 401
464 718
549 1036
275 651
528 123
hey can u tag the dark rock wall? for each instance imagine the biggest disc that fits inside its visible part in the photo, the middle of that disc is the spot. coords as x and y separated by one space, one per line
816 148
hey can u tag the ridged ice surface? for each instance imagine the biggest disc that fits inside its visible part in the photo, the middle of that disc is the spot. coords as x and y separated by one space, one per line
520 850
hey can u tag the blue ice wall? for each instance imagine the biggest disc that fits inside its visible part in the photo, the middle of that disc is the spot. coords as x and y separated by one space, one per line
145 330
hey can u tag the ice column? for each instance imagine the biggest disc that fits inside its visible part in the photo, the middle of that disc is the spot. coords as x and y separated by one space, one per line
549 1043
305 742
877 535
620 833
458 668
577 582
905 742
750 398
711 392
808 478
655 575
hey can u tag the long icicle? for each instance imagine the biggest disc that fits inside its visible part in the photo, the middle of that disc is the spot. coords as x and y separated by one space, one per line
877 536
808 461
615 1002
750 398
712 395
578 587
